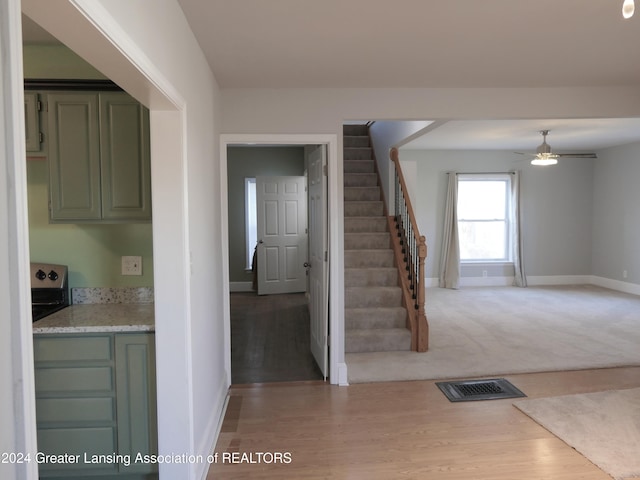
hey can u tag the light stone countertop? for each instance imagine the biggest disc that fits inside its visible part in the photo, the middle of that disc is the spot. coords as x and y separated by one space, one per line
106 317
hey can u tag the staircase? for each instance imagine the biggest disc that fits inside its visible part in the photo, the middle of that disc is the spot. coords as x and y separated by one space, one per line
375 319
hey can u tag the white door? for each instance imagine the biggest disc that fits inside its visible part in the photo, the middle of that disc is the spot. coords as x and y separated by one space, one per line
318 258
282 234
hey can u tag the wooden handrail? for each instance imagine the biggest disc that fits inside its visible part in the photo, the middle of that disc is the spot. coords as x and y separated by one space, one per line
413 250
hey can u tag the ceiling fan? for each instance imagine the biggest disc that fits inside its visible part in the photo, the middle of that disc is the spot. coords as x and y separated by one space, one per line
544 155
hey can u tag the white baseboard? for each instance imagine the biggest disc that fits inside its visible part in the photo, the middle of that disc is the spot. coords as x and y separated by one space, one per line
241 287
476 282
533 281
486 281
343 378
211 433
618 285
559 280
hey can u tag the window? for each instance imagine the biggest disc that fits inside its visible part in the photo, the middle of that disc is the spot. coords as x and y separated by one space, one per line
484 217
251 218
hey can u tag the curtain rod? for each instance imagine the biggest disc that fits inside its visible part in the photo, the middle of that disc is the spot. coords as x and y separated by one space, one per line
482 173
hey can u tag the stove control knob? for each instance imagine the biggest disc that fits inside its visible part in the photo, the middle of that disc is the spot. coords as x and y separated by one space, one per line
40 275
53 275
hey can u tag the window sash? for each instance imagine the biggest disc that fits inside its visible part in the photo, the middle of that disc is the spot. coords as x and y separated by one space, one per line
498 248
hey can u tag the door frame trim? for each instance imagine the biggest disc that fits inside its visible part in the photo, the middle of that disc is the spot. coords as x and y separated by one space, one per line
335 214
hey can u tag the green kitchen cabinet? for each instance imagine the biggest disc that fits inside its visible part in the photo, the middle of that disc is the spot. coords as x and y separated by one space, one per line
99 162
34 135
136 399
95 405
125 165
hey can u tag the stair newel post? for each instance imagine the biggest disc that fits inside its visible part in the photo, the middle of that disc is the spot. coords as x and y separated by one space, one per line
423 325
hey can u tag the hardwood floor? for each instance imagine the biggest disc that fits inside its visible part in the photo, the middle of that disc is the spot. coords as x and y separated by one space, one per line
403 430
270 339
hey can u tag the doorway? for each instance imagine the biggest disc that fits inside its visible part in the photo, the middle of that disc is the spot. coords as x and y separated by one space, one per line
312 324
269 237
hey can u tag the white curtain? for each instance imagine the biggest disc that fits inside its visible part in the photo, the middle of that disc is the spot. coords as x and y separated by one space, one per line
520 279
450 256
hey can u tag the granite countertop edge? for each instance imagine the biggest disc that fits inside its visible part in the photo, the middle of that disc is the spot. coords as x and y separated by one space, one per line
94 329
98 318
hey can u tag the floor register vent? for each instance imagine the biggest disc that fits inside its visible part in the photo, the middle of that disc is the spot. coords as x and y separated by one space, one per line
470 390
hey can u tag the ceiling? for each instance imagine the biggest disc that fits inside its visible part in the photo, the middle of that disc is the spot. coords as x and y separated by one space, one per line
431 44
417 43
565 135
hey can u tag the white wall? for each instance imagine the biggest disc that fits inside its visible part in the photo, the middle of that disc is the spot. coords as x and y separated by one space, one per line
17 395
556 207
152 54
616 216
384 136
324 110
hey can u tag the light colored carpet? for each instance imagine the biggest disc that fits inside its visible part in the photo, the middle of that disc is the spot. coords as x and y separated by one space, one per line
505 330
603 426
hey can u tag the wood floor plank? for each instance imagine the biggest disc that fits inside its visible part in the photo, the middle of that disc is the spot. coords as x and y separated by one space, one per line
270 339
405 430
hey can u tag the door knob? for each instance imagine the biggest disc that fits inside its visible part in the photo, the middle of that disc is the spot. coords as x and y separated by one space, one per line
307 265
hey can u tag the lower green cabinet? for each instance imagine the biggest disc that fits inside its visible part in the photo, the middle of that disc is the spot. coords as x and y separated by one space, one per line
96 405
136 400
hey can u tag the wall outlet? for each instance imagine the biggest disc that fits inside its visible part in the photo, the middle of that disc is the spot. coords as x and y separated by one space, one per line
484 273
624 274
131 265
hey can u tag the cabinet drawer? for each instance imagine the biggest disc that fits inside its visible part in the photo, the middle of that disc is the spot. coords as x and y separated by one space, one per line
78 442
74 379
72 348
75 409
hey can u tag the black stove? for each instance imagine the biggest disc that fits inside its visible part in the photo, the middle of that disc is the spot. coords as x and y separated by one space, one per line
49 289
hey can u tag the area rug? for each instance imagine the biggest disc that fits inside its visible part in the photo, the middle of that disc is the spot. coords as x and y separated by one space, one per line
602 426
498 331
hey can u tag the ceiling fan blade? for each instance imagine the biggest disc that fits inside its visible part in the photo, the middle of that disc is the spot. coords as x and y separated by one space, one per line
577 155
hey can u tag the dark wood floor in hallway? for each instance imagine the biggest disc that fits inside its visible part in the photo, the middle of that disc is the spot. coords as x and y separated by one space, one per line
270 339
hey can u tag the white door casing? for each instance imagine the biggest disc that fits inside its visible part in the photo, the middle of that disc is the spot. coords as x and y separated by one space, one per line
318 258
282 234
338 374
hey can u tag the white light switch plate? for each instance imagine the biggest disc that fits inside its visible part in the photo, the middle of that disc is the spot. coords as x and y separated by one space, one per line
131 265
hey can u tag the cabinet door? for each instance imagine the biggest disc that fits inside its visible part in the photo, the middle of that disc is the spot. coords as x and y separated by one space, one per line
32 122
125 160
74 158
136 398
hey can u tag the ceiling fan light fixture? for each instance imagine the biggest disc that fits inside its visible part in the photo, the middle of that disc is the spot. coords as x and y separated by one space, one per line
628 7
544 155
544 161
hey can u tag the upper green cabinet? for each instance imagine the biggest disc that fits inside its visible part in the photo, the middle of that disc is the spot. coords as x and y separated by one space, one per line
33 129
99 163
